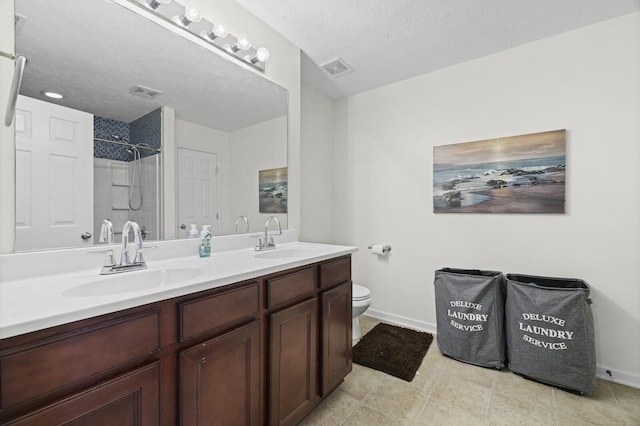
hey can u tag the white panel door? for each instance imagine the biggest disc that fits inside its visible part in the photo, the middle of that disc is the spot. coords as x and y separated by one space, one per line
54 176
197 190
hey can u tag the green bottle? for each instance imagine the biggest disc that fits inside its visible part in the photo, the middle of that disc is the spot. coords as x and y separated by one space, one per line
205 241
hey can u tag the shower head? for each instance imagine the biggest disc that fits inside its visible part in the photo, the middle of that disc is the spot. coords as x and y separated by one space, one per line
118 138
133 150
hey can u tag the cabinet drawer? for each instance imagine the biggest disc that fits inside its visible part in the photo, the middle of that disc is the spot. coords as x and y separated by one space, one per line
62 361
335 272
290 287
130 399
219 311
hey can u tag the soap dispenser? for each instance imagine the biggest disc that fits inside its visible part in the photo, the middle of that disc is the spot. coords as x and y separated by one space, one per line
205 241
193 232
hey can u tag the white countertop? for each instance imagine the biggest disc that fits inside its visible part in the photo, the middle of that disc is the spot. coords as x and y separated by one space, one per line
46 300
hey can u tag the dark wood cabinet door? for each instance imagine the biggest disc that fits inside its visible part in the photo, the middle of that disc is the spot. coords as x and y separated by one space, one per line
292 378
336 336
219 380
129 400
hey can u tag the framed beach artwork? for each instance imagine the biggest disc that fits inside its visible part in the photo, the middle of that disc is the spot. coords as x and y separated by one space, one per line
272 190
516 174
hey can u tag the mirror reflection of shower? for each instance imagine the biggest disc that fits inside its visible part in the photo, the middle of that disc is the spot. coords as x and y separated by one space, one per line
127 173
137 164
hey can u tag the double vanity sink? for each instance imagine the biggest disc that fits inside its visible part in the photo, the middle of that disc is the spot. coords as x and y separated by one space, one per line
32 303
157 279
241 337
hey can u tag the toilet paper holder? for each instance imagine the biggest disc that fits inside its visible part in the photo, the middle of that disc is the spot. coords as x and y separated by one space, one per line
386 248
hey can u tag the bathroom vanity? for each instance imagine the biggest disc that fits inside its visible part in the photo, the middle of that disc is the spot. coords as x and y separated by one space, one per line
260 347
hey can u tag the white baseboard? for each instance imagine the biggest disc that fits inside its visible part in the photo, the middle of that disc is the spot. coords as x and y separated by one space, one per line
605 373
618 376
400 320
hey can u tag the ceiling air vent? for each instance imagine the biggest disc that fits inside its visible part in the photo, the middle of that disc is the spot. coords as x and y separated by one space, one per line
336 67
145 92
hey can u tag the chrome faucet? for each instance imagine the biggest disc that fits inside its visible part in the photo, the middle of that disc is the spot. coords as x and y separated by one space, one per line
126 264
137 235
106 232
267 243
238 219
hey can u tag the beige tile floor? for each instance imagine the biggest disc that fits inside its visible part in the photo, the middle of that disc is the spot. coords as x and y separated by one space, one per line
448 392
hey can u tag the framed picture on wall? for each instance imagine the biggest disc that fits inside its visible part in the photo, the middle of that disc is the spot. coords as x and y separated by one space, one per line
272 190
516 174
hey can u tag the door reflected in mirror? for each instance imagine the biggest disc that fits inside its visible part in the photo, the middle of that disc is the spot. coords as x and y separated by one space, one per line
123 70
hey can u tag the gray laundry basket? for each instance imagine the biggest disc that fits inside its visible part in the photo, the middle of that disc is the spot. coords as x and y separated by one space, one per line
470 315
549 328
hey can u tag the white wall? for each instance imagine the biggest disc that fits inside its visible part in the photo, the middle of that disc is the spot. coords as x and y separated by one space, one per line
316 177
587 81
262 146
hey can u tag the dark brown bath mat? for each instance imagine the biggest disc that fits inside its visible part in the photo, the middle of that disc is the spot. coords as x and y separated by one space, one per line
392 350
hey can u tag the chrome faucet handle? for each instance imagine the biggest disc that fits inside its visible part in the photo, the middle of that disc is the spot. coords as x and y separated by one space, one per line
259 244
138 258
110 259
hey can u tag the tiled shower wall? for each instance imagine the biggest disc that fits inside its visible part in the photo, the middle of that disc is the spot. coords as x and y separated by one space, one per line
113 173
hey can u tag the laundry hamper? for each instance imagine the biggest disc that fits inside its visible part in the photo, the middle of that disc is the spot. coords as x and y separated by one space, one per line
470 315
549 327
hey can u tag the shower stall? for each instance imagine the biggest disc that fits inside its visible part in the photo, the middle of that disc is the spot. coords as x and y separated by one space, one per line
127 174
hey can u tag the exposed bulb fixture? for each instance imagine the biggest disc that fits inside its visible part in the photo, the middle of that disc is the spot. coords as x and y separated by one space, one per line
191 14
153 4
242 43
215 35
262 55
218 30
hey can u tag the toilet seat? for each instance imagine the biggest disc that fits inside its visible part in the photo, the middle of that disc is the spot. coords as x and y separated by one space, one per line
360 293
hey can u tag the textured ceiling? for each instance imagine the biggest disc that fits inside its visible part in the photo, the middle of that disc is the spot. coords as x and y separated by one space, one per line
96 53
385 41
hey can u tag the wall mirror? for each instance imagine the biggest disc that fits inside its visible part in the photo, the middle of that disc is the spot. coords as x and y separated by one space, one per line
110 61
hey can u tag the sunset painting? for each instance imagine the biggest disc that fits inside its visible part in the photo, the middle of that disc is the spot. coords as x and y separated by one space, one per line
516 174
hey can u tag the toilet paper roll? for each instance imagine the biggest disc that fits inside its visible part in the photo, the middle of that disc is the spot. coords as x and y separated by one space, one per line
380 249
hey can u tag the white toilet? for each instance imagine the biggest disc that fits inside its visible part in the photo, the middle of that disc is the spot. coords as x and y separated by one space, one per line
361 299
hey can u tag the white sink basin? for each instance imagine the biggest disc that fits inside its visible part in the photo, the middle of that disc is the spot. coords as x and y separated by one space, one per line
127 282
287 253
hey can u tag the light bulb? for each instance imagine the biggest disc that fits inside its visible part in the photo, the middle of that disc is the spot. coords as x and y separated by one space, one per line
191 14
242 43
263 54
218 30
153 4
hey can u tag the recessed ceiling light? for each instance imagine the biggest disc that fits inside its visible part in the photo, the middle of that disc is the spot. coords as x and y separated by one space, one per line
53 95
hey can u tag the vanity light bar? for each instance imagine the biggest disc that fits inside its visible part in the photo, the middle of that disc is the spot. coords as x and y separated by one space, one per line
187 17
